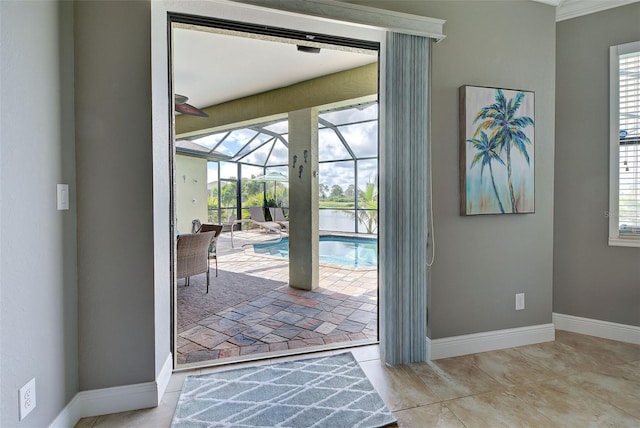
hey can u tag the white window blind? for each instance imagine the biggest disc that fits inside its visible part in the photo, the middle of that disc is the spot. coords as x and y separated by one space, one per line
629 196
625 162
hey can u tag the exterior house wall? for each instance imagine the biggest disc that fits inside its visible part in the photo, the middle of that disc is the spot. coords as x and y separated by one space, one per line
191 195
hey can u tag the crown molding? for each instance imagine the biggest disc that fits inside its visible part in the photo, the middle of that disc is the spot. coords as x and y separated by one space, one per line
549 2
568 9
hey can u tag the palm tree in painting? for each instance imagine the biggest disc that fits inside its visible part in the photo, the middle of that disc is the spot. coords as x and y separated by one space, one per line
506 129
486 155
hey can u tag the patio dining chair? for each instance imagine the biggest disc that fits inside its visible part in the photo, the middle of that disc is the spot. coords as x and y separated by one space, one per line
217 230
192 255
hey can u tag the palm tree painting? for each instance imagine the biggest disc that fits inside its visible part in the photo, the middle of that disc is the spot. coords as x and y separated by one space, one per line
496 151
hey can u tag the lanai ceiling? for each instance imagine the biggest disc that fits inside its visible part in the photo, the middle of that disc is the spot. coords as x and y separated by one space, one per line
211 67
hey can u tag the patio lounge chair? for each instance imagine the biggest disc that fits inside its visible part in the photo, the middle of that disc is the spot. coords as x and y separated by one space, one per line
192 255
257 217
217 230
278 216
230 224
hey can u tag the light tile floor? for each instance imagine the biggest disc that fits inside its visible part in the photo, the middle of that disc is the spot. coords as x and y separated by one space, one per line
239 321
575 381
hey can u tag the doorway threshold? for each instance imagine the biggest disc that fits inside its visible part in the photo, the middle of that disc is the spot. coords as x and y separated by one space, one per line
273 355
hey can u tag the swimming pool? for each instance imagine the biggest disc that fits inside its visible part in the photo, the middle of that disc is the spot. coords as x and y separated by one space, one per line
337 250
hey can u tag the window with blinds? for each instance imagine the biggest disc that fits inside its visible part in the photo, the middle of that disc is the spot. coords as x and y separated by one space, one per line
624 225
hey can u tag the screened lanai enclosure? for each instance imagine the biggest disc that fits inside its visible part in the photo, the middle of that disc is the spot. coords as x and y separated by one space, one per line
250 167
251 309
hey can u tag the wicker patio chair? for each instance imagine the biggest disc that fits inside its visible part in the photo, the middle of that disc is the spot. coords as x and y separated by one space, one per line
192 255
217 230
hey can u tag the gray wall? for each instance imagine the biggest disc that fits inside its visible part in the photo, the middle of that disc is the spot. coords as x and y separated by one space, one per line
483 261
591 279
38 309
115 194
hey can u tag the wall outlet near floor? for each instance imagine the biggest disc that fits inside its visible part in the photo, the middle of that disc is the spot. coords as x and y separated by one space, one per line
27 398
519 301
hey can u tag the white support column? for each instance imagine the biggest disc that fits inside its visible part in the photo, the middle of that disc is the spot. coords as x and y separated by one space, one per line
303 199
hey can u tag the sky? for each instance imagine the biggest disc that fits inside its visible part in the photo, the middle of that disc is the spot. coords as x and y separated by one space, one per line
362 138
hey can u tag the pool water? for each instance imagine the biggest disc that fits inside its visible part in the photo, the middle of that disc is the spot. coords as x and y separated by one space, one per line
337 250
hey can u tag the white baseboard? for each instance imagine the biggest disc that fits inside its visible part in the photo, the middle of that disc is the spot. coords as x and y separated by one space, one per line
489 341
604 329
114 400
69 416
118 399
164 376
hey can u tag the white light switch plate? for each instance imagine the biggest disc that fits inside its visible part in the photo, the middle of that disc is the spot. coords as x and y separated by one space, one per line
519 301
63 197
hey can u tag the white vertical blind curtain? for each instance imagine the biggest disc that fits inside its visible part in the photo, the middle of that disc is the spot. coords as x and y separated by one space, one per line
629 153
404 168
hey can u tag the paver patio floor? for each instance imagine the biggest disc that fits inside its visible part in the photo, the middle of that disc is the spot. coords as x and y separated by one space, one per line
250 308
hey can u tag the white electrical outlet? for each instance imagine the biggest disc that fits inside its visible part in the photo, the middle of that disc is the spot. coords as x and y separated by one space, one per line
27 398
519 301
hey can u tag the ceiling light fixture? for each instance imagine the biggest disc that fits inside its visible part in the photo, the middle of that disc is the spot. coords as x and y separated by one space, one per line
308 49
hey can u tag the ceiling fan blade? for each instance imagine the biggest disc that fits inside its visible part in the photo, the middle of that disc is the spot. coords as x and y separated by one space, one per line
180 99
185 108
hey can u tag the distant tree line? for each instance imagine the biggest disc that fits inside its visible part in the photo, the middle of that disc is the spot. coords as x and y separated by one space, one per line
330 197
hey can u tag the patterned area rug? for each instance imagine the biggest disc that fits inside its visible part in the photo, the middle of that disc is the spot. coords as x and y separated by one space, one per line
329 392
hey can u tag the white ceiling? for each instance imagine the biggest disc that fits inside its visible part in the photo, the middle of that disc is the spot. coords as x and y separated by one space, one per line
211 68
